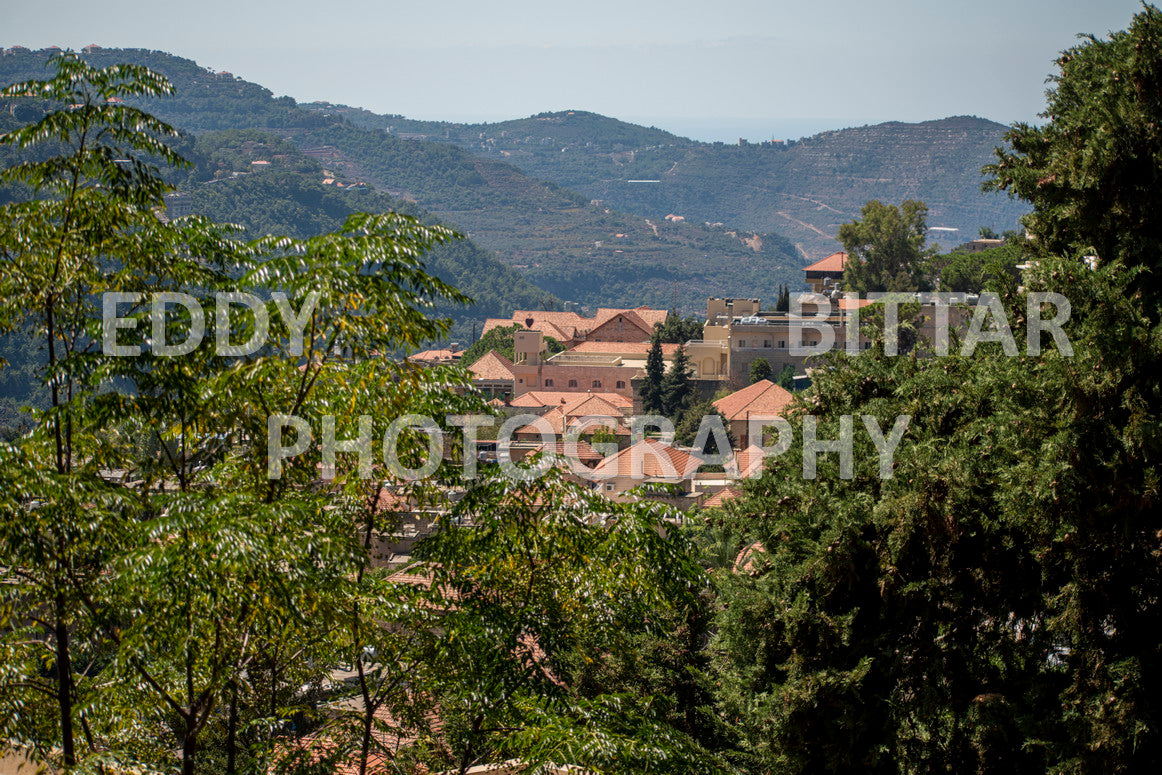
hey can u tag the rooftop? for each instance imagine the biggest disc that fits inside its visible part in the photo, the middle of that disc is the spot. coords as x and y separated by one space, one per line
762 398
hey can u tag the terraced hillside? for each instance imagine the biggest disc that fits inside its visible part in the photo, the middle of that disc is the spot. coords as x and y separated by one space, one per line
556 238
800 189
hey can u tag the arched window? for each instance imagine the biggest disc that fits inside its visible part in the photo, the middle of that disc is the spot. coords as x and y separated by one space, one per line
548 383
572 383
596 383
621 384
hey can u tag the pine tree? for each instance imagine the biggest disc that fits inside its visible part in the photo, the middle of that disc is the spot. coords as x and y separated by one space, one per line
676 387
651 390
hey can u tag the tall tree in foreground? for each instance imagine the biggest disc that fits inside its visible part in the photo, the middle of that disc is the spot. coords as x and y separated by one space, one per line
993 605
1090 170
92 231
174 599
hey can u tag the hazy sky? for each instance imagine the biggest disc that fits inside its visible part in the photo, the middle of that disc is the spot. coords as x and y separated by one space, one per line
713 70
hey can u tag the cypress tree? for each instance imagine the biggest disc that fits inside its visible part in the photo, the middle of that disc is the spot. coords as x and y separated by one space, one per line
651 391
676 387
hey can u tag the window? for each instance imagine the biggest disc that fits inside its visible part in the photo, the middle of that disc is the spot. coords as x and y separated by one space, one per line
520 381
783 343
609 487
596 383
621 384
572 383
742 343
766 343
548 383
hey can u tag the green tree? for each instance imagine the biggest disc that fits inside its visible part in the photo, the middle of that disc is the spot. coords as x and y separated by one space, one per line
992 270
170 604
679 330
690 421
786 377
91 231
993 610
677 390
652 398
783 302
1104 100
501 340
760 369
885 247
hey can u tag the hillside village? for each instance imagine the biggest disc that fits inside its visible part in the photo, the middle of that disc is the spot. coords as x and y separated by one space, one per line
597 381
261 512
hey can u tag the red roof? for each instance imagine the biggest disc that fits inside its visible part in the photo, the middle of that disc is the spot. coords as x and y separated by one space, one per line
566 326
650 459
535 398
846 304
583 452
833 263
491 365
435 356
762 398
745 561
718 499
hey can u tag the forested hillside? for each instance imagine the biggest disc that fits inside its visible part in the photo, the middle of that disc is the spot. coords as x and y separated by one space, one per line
800 189
555 237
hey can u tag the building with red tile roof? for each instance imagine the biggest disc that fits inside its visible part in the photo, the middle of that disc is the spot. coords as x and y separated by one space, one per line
762 399
747 463
547 398
570 328
826 273
492 374
719 499
648 461
436 357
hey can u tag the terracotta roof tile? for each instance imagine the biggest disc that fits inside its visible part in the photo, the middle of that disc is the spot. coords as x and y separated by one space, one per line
650 459
748 461
535 398
832 263
718 499
763 397
491 365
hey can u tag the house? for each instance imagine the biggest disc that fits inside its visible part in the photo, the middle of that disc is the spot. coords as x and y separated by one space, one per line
581 453
577 418
719 499
492 374
826 273
763 399
436 357
570 328
978 245
546 399
571 370
647 462
746 463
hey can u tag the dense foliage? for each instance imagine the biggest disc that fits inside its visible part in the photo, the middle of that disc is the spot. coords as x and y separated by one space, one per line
175 597
993 606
